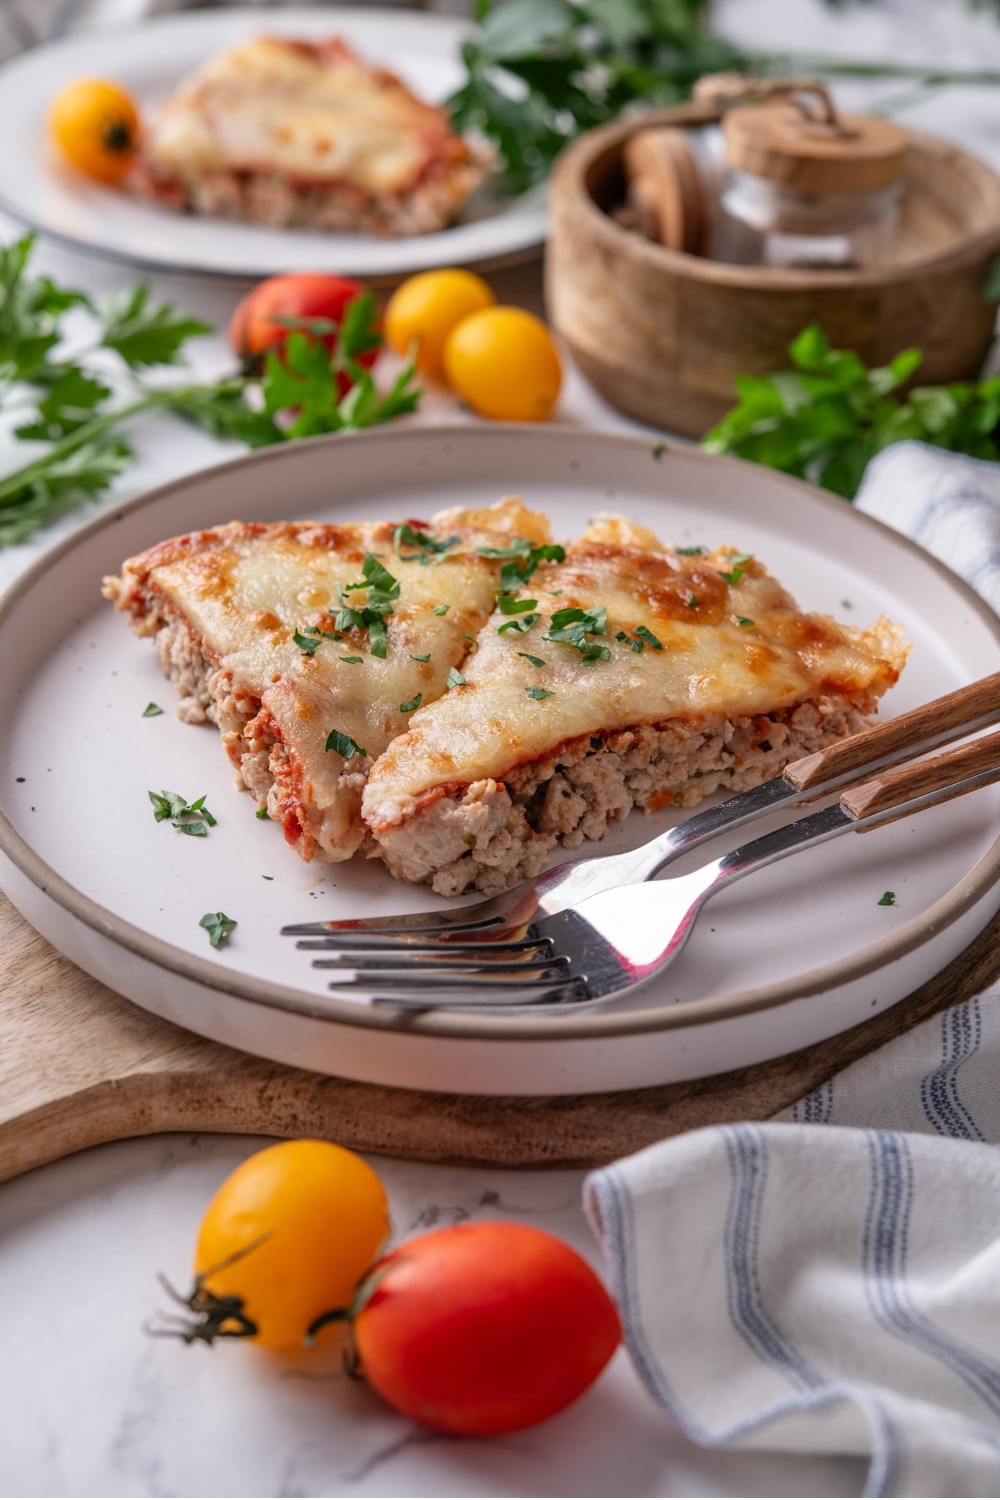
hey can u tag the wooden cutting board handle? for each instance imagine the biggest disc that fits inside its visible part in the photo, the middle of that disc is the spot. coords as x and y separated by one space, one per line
79 1066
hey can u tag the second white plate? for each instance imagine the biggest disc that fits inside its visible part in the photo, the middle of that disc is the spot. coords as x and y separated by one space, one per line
149 60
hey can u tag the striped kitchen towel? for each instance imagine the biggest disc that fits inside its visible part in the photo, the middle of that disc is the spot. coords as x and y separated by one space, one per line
830 1282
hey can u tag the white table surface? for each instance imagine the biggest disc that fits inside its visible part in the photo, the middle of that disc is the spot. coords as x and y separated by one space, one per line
89 1405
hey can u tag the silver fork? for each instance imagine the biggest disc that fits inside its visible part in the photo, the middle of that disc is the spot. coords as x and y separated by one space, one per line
501 917
614 942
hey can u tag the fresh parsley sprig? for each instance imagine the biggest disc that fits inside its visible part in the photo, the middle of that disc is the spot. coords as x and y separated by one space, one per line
827 416
78 398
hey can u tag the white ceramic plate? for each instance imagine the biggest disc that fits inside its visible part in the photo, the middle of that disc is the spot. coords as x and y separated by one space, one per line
800 951
149 59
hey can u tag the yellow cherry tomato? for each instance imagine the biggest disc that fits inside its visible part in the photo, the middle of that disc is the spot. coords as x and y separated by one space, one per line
504 363
96 125
289 1235
426 308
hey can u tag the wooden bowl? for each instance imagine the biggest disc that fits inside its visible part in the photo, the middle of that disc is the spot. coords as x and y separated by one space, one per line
663 335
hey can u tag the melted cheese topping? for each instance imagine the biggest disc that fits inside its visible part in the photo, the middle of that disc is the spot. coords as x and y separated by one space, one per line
311 113
709 663
246 589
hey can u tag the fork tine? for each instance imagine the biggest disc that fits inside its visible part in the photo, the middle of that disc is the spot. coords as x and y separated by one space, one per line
419 924
570 993
417 952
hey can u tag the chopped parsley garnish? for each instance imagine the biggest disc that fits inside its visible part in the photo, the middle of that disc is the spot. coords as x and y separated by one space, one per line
520 560
736 572
690 551
659 449
429 549
308 645
538 693
353 661
151 710
508 605
847 603
692 601
261 812
382 591
218 926
192 818
570 627
472 639
455 678
407 708
343 744
887 898
742 620
536 661
521 626
421 658
441 609
639 639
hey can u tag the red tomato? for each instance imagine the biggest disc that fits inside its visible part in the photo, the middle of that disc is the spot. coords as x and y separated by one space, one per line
254 329
484 1328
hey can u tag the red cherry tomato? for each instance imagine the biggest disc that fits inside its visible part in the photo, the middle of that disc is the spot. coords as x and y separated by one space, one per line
254 328
484 1328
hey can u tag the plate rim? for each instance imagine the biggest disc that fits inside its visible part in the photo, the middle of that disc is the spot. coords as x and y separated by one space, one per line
469 1026
157 265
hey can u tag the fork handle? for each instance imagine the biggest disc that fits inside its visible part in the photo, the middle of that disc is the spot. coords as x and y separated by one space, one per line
886 791
974 707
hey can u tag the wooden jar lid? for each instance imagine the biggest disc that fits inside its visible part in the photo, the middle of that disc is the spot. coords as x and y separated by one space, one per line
854 154
663 188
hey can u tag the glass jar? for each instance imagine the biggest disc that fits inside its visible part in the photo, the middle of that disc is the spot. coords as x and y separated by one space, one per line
806 192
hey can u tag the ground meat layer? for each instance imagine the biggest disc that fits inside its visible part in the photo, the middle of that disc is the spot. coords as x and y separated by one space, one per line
492 834
274 200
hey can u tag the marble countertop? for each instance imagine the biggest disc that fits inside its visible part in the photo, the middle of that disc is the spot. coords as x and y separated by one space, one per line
89 1404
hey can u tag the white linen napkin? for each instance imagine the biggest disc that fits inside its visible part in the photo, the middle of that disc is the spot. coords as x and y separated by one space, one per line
837 1289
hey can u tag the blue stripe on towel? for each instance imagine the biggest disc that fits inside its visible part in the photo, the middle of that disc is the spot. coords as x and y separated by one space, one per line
961 1035
884 1262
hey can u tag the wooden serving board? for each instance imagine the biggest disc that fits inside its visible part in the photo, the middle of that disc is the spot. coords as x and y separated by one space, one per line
79 1065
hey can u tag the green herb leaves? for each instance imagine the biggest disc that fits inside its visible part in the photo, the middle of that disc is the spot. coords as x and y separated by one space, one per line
411 704
538 693
887 898
80 404
429 548
218 926
521 560
571 627
639 639
825 418
735 572
381 592
455 678
343 744
192 818
152 711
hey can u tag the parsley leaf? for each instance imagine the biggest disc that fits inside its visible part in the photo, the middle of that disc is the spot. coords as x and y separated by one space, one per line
441 609
888 898
218 926
639 639
690 551
144 333
421 658
520 560
570 627
734 575
538 693
508 605
191 818
521 626
343 744
455 678
381 592
411 704
353 661
427 545
742 620
261 812
151 710
536 661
